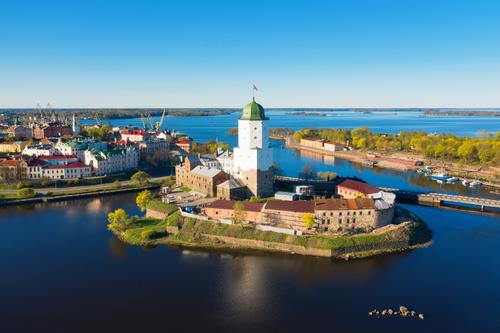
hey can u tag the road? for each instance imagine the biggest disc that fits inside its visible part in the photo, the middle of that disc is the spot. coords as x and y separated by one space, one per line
76 188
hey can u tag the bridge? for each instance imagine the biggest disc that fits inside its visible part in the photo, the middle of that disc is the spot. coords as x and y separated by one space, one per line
442 199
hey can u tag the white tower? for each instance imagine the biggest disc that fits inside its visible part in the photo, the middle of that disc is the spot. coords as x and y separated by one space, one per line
75 126
253 157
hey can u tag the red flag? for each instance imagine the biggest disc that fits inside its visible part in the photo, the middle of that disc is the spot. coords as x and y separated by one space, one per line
255 88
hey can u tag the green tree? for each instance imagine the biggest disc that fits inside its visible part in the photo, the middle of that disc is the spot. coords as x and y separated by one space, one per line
140 177
117 220
25 193
143 199
307 171
239 215
308 219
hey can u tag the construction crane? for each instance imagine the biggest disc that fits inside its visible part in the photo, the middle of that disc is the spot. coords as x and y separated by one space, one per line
143 120
39 110
158 124
151 121
97 119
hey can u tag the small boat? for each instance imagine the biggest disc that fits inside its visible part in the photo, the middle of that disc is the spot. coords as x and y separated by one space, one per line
475 183
440 176
465 182
452 180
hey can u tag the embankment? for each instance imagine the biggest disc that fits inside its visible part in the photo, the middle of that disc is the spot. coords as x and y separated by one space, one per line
408 233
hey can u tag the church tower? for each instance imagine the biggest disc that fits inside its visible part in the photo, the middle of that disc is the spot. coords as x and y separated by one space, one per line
253 157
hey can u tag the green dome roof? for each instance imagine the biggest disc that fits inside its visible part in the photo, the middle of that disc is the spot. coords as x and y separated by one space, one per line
253 111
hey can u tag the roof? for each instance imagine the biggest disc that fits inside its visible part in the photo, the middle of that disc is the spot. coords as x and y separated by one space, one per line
359 186
11 163
73 165
253 111
58 157
133 132
231 184
229 204
37 162
341 204
299 206
206 171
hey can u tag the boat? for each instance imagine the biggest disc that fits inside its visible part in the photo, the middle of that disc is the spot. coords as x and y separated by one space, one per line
452 180
475 183
440 176
465 182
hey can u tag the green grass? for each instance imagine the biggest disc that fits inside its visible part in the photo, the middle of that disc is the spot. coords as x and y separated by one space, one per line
144 229
159 206
91 190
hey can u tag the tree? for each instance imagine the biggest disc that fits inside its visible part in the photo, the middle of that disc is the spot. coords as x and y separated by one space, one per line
140 177
308 219
143 199
277 170
117 219
326 175
307 171
239 215
24 193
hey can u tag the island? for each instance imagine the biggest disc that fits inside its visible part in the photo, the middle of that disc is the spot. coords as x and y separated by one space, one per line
168 224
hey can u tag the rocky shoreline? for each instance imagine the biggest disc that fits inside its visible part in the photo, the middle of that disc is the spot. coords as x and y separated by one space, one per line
402 312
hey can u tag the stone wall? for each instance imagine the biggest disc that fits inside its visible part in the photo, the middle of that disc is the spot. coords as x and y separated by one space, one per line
156 214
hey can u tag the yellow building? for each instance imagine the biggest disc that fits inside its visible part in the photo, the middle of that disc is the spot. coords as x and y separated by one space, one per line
12 147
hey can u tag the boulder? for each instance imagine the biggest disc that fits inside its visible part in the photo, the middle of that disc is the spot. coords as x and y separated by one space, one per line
421 316
390 312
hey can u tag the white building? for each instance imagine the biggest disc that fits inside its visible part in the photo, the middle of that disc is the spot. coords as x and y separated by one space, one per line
78 146
226 162
57 167
253 158
39 150
115 160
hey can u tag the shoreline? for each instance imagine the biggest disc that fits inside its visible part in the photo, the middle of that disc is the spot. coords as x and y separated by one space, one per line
409 232
386 161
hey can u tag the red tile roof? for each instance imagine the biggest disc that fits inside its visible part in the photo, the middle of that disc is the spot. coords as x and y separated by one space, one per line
11 163
229 204
359 186
341 204
300 206
75 165
133 132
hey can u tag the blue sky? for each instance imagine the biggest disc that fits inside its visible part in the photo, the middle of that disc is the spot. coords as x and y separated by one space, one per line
371 53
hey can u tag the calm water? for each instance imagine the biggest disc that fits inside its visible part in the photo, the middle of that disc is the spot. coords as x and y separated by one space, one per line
291 161
62 271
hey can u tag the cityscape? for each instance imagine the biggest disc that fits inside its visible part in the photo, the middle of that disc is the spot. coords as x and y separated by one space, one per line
269 206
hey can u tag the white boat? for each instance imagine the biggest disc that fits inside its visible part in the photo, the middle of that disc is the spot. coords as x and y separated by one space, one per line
475 183
452 180
465 182
440 176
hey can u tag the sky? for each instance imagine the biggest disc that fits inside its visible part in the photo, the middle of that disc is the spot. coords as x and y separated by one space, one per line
356 53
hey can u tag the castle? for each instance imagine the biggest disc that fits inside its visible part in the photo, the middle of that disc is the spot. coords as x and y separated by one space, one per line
248 171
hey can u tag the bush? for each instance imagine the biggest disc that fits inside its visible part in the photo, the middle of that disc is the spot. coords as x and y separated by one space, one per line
140 177
20 185
25 193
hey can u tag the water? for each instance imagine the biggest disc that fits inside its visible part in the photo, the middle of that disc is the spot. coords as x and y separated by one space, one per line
204 129
62 271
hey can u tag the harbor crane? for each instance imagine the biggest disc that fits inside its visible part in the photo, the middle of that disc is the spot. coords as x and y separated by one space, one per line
143 120
159 123
97 119
151 121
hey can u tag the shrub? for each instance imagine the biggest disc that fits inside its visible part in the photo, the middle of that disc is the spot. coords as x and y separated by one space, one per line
20 185
25 193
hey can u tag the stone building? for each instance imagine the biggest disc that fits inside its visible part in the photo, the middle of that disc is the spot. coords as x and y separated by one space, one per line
12 170
12 147
232 189
333 215
51 130
312 143
20 132
287 214
350 189
224 209
200 178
